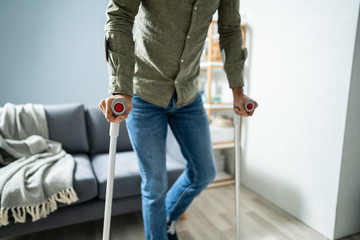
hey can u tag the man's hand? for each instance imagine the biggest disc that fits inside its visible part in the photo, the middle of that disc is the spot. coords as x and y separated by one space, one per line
105 106
239 100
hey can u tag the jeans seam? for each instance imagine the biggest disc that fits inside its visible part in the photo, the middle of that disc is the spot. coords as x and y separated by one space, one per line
191 162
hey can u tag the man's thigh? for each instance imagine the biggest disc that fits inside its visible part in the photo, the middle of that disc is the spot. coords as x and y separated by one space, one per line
190 126
147 127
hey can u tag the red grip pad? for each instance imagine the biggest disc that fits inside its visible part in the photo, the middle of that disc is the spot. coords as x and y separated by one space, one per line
250 106
119 107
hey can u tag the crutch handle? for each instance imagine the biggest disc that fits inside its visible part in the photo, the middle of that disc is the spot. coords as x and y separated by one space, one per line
249 106
118 106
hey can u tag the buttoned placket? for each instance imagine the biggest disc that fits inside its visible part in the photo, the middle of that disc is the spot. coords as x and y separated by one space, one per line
183 55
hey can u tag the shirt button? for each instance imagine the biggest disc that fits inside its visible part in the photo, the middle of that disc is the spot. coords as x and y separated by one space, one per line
195 8
176 82
188 37
182 60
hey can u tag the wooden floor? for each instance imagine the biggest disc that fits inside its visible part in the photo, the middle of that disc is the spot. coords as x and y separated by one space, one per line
210 217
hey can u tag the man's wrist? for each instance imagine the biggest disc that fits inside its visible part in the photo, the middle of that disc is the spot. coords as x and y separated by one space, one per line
238 91
122 94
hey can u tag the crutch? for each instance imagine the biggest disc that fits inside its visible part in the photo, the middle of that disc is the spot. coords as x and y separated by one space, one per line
118 107
249 107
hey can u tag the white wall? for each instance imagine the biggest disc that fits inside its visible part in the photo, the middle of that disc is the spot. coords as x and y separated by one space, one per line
348 210
299 71
52 51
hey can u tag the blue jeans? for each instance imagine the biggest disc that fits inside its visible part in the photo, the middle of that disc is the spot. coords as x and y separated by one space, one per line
147 125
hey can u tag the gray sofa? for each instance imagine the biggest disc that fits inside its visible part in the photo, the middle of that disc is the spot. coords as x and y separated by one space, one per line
84 133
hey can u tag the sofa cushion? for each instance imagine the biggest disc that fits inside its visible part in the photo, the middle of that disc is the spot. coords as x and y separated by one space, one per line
84 180
66 123
98 132
127 175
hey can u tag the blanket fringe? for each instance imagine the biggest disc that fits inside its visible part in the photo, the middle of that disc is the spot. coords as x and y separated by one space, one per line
4 220
42 210
19 214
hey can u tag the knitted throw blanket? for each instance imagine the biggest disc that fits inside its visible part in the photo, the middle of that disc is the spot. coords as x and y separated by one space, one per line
37 173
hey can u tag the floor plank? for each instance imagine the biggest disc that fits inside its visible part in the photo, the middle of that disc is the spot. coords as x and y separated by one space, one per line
210 217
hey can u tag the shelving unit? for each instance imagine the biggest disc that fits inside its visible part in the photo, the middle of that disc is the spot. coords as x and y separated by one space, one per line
213 60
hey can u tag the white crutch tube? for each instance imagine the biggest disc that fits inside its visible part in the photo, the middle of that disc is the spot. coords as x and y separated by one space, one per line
118 107
237 174
249 107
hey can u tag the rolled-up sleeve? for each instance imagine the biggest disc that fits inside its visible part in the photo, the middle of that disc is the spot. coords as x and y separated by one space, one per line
119 45
231 41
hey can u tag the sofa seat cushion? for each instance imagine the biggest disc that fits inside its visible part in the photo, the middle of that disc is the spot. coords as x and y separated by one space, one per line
84 180
127 175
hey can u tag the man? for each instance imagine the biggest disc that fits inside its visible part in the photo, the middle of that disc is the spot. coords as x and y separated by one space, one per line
157 76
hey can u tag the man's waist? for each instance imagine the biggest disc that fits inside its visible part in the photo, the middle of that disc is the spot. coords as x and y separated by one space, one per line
160 91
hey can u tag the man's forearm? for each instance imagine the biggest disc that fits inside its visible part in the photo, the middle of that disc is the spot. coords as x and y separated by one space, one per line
238 91
120 45
231 42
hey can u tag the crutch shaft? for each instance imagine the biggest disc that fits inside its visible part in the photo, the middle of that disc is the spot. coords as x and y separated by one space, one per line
237 174
118 107
114 132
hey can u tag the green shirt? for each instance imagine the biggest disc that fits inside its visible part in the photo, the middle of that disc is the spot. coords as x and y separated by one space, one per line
164 53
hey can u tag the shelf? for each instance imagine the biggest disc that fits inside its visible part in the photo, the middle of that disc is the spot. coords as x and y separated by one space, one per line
222 179
211 64
223 145
219 106
221 176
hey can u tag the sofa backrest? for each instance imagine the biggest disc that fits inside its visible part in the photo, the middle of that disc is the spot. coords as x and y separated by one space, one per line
82 130
98 132
66 124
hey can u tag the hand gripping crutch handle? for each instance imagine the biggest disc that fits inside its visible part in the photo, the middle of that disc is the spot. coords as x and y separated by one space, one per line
249 106
118 107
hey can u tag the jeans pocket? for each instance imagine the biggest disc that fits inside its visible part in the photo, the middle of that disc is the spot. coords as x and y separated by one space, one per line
140 103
